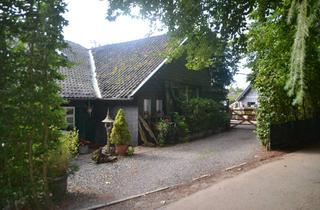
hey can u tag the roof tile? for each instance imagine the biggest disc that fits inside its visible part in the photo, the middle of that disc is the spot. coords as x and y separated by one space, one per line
120 68
77 83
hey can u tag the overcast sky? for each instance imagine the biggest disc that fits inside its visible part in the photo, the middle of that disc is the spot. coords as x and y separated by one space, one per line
88 26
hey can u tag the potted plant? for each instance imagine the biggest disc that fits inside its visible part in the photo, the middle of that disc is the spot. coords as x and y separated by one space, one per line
60 163
84 147
120 135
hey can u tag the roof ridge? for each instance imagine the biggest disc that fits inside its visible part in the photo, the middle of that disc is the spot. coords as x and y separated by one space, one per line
130 41
244 92
94 75
74 43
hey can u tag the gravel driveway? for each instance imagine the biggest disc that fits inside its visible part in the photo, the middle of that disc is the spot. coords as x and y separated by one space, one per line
153 168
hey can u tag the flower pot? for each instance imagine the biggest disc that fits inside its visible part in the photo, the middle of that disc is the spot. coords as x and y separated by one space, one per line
58 186
83 149
121 149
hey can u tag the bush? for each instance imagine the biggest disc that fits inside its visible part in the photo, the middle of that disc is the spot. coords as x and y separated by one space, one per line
182 126
120 134
61 156
163 128
276 90
203 114
130 151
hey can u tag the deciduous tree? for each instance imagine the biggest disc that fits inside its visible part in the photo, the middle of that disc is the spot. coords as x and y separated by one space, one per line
30 113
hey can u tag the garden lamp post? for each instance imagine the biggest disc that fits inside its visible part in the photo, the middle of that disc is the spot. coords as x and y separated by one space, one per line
108 122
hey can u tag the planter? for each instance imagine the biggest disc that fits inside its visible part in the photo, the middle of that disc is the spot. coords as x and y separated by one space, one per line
121 149
58 187
83 149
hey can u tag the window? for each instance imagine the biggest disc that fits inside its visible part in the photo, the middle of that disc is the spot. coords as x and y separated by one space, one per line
70 117
147 106
251 104
159 106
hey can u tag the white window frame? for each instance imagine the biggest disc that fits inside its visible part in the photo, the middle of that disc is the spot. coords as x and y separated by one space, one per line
251 103
147 106
159 106
72 116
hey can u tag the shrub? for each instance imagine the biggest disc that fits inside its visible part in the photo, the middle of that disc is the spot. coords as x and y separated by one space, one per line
203 114
182 126
120 132
163 128
61 156
130 151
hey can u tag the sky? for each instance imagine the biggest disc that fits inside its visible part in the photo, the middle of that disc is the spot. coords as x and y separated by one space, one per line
88 26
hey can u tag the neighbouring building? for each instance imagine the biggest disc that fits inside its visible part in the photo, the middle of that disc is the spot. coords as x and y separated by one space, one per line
130 75
248 98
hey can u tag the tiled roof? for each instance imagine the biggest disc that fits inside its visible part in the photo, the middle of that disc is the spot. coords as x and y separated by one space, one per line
122 67
244 92
78 81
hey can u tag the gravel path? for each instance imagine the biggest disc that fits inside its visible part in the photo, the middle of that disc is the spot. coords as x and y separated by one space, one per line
153 168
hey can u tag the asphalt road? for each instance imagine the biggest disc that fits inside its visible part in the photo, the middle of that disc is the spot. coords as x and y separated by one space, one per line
292 183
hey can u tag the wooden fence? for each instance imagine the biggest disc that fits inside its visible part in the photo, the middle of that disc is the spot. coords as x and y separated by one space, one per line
242 116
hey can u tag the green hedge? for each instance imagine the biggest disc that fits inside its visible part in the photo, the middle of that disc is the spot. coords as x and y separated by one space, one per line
270 63
203 114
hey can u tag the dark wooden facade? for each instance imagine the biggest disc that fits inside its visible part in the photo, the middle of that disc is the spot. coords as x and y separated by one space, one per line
90 126
170 76
174 76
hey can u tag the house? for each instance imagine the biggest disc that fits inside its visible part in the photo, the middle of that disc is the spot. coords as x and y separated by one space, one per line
248 98
130 75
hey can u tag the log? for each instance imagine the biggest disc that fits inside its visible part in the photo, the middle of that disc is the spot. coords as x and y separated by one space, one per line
98 157
147 127
143 136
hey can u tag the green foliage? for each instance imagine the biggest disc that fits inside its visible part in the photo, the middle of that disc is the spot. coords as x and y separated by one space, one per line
271 58
62 154
234 93
182 126
198 114
30 113
216 30
283 46
203 114
163 129
120 132
71 139
215 38
307 18
130 151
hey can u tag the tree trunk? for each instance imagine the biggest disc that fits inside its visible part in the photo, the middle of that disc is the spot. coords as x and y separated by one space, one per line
31 174
45 165
30 142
